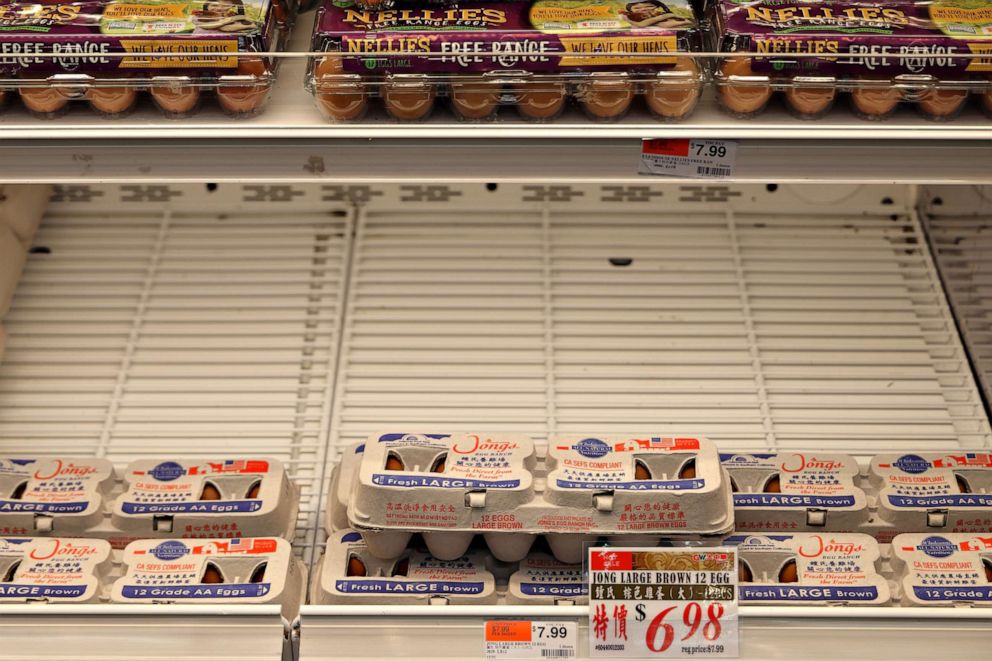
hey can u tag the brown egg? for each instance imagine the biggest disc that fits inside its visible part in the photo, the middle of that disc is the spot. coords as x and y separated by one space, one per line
475 97
875 101
741 96
607 96
988 570
43 100
356 567
394 463
210 492
408 100
773 485
112 100
246 98
175 100
540 99
341 99
439 464
962 483
402 567
18 491
809 101
688 471
641 471
789 573
258 575
674 96
942 103
212 575
744 574
253 491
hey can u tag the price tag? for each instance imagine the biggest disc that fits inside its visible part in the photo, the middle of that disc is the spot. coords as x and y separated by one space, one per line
663 602
681 157
530 639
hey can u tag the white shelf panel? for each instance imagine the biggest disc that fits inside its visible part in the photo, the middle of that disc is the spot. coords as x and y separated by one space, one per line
816 634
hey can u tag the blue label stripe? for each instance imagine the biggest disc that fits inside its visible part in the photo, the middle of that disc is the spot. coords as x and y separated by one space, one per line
27 506
197 507
790 500
639 485
440 482
795 592
554 589
197 591
954 593
949 500
9 590
379 586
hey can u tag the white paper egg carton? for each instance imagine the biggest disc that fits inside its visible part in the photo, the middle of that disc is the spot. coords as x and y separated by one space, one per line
540 579
450 487
810 569
54 570
249 570
943 569
150 498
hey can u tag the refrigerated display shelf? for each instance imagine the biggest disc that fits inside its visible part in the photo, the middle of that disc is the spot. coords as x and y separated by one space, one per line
292 319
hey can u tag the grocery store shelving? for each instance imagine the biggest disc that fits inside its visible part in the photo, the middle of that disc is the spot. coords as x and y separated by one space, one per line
291 141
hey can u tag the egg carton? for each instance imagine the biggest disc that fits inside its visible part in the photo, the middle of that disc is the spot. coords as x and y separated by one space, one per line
879 56
54 570
483 57
450 487
12 257
796 491
249 570
945 569
929 491
541 579
21 209
810 569
110 53
350 573
151 498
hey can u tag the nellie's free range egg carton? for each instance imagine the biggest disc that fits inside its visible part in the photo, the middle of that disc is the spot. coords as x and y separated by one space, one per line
53 569
152 498
350 573
796 491
450 487
810 569
934 491
943 569
249 570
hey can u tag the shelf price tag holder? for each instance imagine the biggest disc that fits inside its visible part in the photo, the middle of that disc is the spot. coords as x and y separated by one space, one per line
530 639
663 603
688 159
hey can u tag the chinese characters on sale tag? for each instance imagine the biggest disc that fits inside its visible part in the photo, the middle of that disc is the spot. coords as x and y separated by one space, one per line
663 602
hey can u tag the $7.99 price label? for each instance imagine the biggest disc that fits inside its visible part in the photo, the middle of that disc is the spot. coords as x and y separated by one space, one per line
658 602
526 639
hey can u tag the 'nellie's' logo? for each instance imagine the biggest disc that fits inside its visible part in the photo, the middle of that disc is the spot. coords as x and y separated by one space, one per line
426 17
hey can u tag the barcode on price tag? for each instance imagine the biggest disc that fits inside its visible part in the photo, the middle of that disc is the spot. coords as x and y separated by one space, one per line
530 639
663 602
682 157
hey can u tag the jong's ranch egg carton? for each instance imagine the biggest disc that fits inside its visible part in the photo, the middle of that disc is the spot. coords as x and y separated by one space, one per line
250 570
349 573
450 487
77 497
943 569
54 570
813 569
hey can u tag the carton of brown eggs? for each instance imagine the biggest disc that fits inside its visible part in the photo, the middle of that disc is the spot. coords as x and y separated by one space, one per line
811 569
540 579
932 491
796 491
350 573
54 496
946 569
53 569
450 487
251 570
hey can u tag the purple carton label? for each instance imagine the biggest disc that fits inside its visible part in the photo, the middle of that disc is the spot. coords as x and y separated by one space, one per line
379 586
807 593
847 38
540 36
197 591
27 591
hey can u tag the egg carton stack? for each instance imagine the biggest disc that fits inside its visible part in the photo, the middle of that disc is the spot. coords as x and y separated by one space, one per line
896 493
461 495
21 209
110 53
88 498
879 55
489 59
261 570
